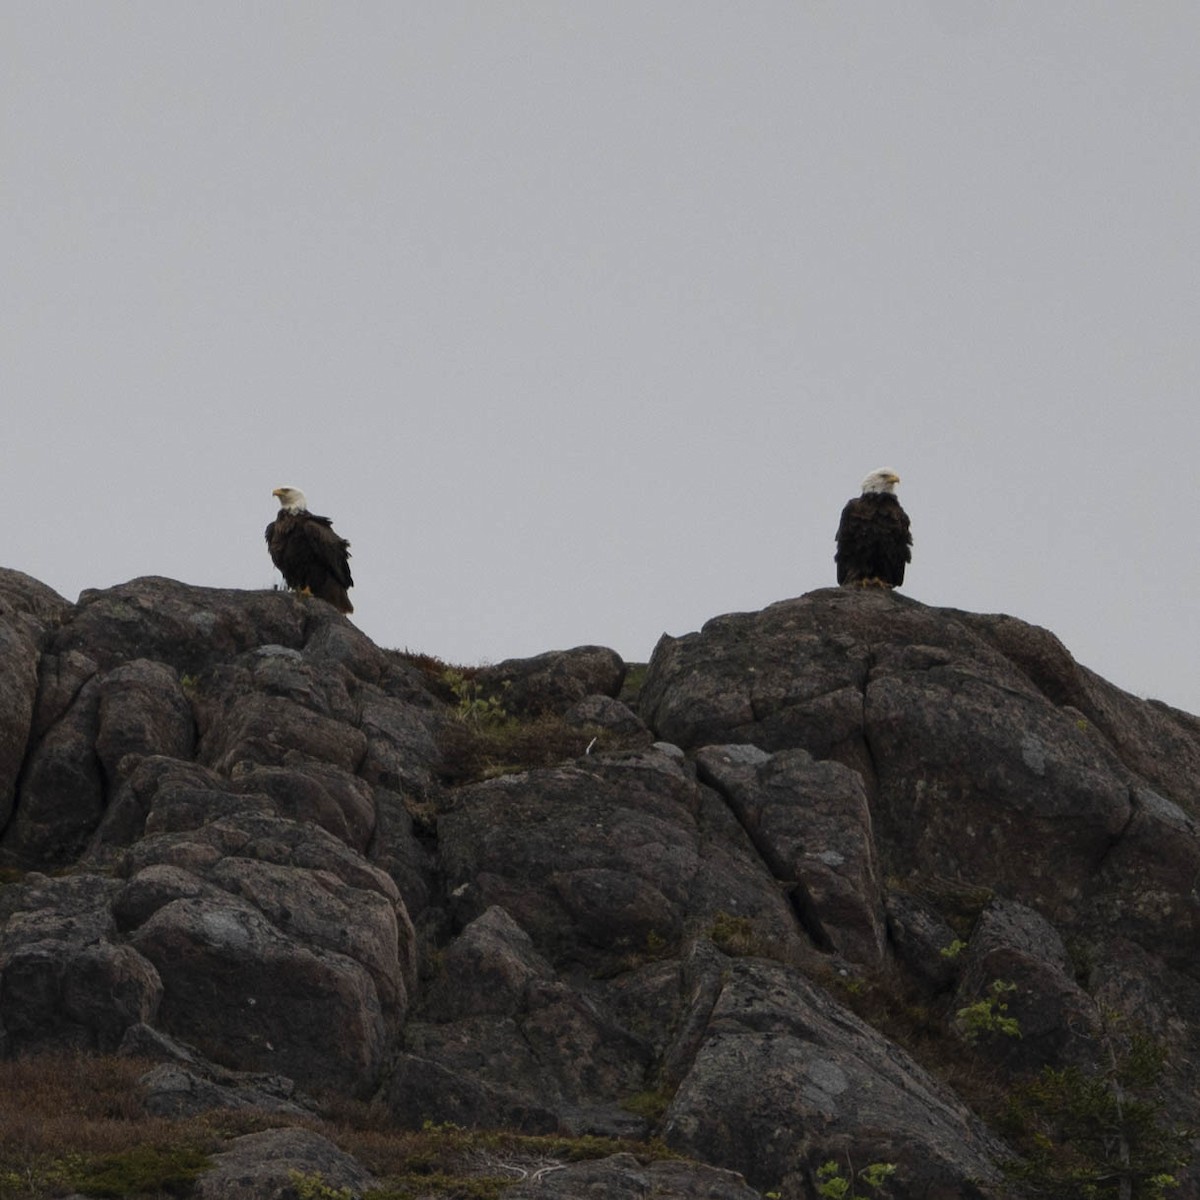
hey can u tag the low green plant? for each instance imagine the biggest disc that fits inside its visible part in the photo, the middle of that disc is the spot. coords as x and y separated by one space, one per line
314 1187
141 1170
443 1160
631 688
987 1015
737 936
954 949
436 1183
833 1185
852 986
40 1176
1083 954
649 1105
474 706
657 946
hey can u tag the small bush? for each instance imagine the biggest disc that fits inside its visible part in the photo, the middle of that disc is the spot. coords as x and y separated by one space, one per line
833 1185
141 1170
474 706
739 937
1104 1136
314 1187
651 1106
988 1015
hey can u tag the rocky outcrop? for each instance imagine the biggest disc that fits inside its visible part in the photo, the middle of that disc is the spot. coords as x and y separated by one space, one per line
775 1045
67 978
973 767
265 1166
213 759
607 860
554 681
28 612
811 824
232 844
624 1177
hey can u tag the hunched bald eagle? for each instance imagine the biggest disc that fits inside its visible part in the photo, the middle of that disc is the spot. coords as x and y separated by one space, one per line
311 558
873 539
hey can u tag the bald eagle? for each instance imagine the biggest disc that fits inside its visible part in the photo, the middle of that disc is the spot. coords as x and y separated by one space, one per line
310 556
873 539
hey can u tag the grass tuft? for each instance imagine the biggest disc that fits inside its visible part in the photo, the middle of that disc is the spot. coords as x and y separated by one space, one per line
475 751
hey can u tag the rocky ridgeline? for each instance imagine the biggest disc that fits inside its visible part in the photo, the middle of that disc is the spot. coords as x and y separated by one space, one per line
233 844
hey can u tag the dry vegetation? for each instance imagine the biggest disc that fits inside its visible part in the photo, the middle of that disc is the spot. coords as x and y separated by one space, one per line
480 739
68 1122
75 1123
471 752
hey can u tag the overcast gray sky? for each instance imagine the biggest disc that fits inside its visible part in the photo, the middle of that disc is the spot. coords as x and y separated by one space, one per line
583 320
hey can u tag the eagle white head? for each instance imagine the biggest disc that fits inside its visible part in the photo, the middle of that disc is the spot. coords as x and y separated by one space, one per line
882 480
291 499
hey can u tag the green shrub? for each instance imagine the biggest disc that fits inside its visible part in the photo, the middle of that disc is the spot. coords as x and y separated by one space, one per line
649 1105
833 1185
141 1170
987 1015
314 1187
1103 1136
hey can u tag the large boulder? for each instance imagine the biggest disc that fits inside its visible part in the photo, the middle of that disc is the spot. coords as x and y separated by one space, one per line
188 628
274 1164
62 791
607 859
67 980
554 681
28 611
811 823
624 1177
784 1080
975 761
278 947
521 1042
1056 1023
115 719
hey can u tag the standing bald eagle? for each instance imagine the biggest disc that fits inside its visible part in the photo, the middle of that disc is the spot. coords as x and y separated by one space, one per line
873 539
310 556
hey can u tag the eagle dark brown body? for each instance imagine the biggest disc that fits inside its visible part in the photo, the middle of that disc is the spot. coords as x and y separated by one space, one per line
311 557
873 541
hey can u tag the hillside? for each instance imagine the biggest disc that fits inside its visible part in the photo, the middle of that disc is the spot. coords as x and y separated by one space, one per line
851 880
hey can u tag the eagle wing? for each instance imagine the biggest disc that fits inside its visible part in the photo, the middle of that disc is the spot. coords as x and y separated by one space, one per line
327 549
